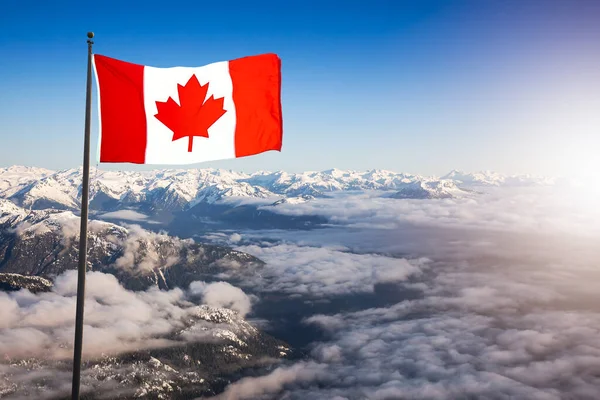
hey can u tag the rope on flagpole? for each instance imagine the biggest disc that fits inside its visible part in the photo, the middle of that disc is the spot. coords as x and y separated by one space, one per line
85 191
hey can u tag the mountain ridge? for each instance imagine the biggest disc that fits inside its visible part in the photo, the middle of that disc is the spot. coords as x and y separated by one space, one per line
44 243
175 190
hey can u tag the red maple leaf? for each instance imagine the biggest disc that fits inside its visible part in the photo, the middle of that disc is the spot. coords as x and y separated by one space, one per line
193 115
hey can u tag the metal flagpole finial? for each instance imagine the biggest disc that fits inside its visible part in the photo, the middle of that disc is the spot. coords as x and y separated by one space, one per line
90 35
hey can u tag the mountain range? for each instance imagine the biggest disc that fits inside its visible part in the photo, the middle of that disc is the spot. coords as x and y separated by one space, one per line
39 246
158 191
39 229
43 243
184 370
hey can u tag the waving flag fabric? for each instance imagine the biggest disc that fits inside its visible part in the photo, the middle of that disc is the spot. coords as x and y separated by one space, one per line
185 115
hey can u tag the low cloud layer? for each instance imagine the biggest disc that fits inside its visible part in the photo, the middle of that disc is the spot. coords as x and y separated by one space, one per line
140 250
128 215
319 272
222 295
256 388
529 210
509 306
480 331
116 320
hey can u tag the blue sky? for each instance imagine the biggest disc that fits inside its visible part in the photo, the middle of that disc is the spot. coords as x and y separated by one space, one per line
417 86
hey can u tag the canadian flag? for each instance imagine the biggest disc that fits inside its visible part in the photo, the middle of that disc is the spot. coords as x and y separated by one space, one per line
185 115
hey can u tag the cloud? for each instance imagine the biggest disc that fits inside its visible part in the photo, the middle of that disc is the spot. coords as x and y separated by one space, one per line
116 320
398 272
128 215
223 238
322 271
529 210
222 294
509 306
27 228
141 250
450 353
36 333
253 388
442 347
47 383
136 249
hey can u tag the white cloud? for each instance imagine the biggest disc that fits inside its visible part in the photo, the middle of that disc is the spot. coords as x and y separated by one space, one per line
140 250
116 320
528 209
252 388
235 238
222 294
129 215
322 272
509 305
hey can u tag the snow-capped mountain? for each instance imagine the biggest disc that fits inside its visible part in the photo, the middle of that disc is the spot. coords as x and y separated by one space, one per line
204 347
179 190
172 190
48 192
185 370
14 178
214 193
317 184
11 282
294 200
9 211
489 178
44 243
438 189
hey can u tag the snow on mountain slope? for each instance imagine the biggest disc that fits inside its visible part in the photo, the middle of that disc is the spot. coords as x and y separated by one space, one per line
10 212
167 189
214 193
293 200
386 180
47 192
489 178
186 363
181 189
14 178
528 180
44 243
478 178
306 183
317 184
12 282
442 189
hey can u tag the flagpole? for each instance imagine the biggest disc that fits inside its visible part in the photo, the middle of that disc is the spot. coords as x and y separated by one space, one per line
85 189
